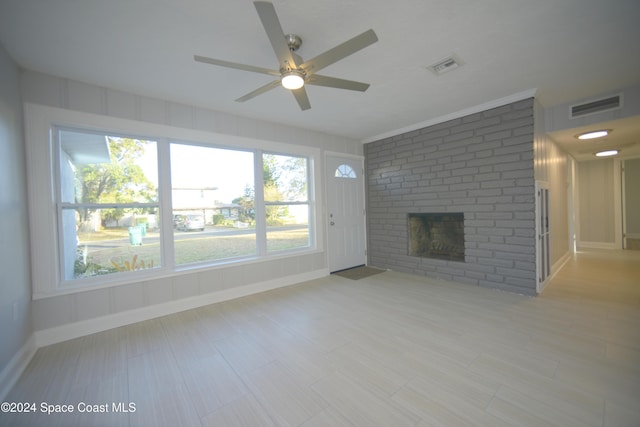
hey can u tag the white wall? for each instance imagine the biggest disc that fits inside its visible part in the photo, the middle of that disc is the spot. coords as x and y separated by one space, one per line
598 218
557 117
108 307
552 167
15 282
557 176
632 197
58 92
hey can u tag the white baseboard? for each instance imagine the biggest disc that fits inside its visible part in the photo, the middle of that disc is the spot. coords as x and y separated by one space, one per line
86 327
11 373
597 245
555 268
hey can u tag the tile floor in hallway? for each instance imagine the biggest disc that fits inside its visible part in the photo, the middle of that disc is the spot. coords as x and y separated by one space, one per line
388 350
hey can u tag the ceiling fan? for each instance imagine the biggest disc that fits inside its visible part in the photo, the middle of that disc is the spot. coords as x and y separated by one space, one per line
293 72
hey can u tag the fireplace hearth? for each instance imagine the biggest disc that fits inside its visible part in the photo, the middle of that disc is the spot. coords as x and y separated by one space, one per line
436 235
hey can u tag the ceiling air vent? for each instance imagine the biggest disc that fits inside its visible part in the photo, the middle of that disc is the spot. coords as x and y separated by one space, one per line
598 106
445 65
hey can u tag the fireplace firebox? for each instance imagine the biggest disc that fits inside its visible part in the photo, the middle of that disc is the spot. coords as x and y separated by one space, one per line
436 235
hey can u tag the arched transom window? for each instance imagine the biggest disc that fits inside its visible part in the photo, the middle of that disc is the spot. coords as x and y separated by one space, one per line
345 171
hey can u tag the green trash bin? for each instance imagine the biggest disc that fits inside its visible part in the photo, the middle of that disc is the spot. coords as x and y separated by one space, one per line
135 236
143 228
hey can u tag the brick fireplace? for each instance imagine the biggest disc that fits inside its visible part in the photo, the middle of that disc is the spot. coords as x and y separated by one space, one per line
436 235
480 166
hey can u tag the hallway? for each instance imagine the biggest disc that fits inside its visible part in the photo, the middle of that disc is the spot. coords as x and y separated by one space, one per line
599 276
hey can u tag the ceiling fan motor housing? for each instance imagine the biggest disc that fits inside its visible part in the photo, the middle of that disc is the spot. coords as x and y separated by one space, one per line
293 41
293 77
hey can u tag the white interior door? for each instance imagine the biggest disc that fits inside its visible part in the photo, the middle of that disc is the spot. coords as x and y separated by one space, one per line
345 212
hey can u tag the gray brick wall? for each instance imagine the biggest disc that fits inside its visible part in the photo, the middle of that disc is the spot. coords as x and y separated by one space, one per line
481 165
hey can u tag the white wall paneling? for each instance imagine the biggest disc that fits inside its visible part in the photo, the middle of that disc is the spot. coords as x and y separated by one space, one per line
599 202
15 283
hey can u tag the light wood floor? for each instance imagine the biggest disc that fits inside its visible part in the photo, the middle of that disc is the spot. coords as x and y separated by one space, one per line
388 350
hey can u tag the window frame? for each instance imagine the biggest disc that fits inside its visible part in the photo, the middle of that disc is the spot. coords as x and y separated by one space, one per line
223 261
308 202
56 147
40 122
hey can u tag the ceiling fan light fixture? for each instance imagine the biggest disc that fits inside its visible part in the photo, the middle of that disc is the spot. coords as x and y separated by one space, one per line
594 134
292 80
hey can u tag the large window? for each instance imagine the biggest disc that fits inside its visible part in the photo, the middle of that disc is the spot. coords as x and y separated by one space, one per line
286 201
127 207
212 203
107 202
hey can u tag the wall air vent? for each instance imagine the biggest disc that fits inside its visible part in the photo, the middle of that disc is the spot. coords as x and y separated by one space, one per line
445 65
598 106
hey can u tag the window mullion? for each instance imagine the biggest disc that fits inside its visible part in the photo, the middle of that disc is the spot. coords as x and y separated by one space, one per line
311 200
64 205
259 204
57 197
166 209
285 203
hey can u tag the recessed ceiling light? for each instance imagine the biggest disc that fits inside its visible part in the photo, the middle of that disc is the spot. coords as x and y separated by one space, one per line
607 153
594 134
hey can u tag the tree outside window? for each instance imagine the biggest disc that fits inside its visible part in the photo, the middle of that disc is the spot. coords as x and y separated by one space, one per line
105 194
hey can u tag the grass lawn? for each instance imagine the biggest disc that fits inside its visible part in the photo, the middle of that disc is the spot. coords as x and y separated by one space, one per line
104 234
221 247
199 248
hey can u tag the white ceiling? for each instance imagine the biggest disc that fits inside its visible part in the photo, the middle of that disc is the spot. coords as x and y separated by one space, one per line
565 49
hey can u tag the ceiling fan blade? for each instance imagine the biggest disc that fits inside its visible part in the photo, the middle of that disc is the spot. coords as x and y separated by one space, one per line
262 89
326 81
235 65
302 98
271 24
341 51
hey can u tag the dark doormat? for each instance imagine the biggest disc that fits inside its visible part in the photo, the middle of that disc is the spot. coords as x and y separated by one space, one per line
357 273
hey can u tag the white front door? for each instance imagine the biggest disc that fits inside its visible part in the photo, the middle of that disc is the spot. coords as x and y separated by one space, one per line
345 212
